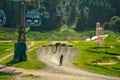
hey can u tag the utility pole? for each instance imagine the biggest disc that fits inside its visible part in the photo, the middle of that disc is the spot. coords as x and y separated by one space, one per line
20 48
22 36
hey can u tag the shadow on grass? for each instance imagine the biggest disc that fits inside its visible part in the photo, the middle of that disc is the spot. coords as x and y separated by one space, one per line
3 73
8 72
114 54
96 66
101 50
10 63
100 47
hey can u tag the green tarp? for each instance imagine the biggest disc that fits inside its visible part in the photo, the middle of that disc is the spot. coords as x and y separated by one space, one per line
20 52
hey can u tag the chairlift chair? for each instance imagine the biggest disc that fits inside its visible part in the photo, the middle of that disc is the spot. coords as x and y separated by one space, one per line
33 18
46 15
58 12
2 17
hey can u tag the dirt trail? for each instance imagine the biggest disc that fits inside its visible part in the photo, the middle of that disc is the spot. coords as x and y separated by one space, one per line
68 71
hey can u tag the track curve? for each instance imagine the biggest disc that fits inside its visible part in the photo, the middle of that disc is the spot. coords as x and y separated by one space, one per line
67 70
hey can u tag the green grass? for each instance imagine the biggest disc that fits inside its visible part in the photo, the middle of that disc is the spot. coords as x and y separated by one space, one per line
53 35
13 76
31 75
62 34
6 48
6 35
90 53
32 62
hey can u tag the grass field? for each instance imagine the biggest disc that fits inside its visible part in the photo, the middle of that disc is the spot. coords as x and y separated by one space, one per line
90 54
6 48
32 62
62 34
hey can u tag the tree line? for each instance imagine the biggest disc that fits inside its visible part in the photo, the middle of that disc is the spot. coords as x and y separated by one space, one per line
83 14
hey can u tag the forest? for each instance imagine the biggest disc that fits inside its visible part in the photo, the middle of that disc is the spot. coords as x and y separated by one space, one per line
77 14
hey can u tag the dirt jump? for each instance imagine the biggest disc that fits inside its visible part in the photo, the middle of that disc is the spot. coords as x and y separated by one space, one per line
67 71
